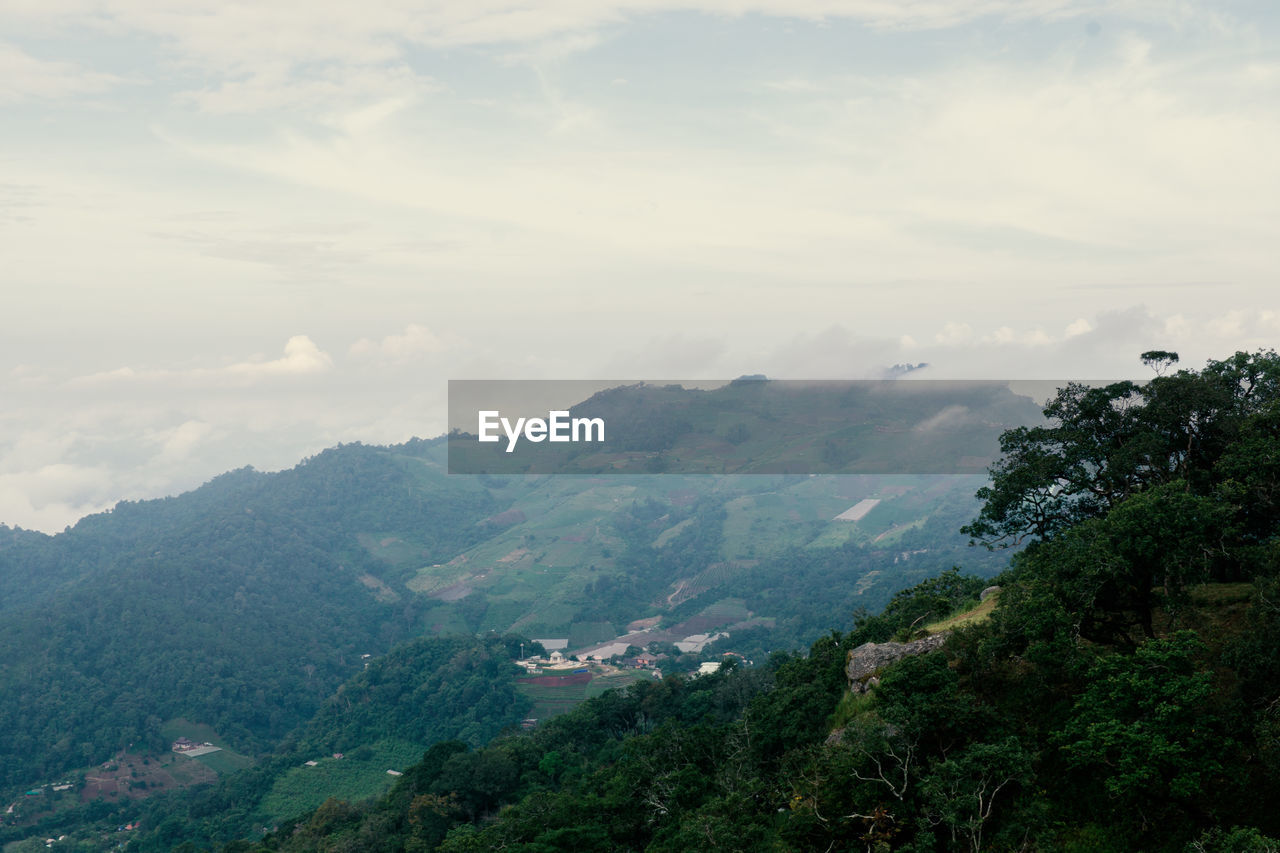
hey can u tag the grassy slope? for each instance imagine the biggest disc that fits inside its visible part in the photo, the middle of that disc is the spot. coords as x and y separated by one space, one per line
530 572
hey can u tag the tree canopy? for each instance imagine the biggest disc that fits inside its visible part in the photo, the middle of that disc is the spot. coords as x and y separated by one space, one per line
1104 444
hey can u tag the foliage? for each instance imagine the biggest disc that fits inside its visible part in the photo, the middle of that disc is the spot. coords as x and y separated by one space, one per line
1102 707
240 605
1106 444
459 690
1145 726
1106 704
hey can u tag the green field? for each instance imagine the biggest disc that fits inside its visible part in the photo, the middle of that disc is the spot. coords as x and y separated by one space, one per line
550 701
559 537
352 778
223 762
617 680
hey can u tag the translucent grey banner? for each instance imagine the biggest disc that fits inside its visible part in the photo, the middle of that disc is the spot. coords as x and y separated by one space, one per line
743 426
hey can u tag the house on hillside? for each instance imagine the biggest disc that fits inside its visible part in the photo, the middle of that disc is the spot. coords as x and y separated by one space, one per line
183 744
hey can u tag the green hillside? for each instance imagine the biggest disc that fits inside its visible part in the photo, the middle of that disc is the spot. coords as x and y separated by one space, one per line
244 605
1119 695
240 605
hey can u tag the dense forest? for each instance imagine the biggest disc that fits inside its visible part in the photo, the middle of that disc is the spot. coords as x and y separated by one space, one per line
458 689
241 604
1121 696
1121 693
244 604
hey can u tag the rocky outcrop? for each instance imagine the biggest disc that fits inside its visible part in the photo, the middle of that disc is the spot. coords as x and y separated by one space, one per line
868 658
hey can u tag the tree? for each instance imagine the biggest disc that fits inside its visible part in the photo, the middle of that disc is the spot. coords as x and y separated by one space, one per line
1145 731
1103 445
1112 572
961 792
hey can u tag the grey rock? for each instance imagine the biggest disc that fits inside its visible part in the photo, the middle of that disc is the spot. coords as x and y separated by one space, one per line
867 658
988 592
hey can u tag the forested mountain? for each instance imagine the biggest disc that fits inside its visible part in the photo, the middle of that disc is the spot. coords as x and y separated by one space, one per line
243 604
429 690
291 616
1121 696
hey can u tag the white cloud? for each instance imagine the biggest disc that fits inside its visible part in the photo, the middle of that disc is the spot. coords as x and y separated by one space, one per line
1002 335
301 357
34 448
177 444
978 166
52 496
1079 326
954 333
949 416
305 31
25 78
1228 325
1176 326
794 85
282 54
165 431
413 342
352 97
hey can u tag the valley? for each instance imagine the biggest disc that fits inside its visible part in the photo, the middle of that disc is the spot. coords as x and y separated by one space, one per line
270 614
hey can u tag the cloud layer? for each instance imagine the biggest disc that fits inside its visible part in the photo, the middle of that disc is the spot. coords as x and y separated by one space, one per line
239 233
78 444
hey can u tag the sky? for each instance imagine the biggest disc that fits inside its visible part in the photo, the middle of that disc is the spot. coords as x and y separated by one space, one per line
238 233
